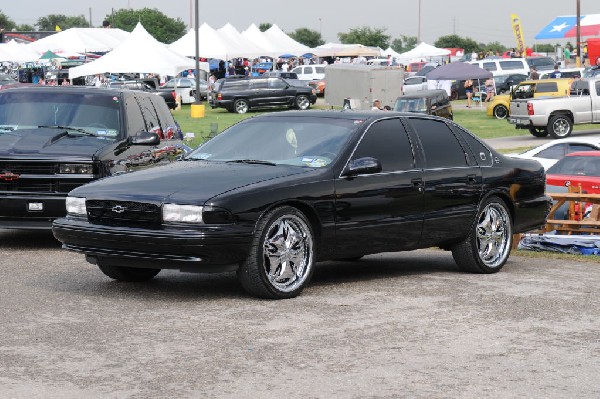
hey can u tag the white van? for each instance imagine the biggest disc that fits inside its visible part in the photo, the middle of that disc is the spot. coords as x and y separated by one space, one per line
503 66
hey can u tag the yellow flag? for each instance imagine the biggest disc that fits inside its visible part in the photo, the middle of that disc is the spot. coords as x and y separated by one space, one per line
518 32
57 28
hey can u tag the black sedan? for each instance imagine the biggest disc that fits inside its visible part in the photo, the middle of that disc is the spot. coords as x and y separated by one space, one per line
274 194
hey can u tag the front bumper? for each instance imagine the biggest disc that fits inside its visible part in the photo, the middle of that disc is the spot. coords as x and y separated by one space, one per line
204 249
31 212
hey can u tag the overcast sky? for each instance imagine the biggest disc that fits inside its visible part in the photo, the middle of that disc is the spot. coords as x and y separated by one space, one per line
482 20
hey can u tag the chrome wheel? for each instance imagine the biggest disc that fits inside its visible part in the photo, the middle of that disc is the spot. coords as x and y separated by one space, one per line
560 126
288 253
241 106
302 102
493 235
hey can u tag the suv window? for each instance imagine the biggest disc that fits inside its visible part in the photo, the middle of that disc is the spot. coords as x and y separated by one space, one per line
441 147
490 66
546 87
320 69
275 83
235 84
388 142
512 65
258 84
541 62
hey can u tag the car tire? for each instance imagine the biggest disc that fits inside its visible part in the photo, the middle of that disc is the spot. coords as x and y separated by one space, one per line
282 255
241 106
487 247
538 131
500 112
302 102
454 95
560 126
129 274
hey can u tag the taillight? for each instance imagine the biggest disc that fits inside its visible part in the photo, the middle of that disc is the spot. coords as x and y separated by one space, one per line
174 95
529 109
219 96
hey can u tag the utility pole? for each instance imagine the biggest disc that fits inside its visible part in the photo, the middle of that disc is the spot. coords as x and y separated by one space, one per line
91 26
419 25
579 55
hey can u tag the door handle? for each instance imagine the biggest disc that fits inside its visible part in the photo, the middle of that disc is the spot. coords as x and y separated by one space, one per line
472 179
418 183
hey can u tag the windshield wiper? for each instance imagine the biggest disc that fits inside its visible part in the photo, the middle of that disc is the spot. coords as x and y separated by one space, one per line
253 161
67 128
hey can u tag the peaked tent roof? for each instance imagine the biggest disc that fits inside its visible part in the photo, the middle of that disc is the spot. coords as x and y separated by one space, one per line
259 38
140 53
282 43
424 50
345 50
210 44
458 71
249 48
80 40
17 52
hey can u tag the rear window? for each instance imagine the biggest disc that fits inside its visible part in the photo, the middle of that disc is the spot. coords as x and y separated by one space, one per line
320 69
541 62
546 87
489 66
579 166
512 65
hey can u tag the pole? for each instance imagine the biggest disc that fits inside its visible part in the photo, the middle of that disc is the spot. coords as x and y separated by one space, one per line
419 25
90 17
579 55
197 74
320 31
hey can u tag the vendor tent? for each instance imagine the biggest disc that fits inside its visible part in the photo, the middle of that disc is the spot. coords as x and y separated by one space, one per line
139 53
458 71
282 43
210 44
248 48
424 50
345 50
80 40
17 52
254 35
49 55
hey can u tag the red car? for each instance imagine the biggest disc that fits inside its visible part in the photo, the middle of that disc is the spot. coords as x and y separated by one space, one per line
577 168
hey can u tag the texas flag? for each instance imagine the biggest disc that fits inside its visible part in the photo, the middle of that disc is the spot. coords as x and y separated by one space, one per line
566 26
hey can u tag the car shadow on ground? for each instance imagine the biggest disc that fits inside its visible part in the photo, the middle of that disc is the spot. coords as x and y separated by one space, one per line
27 239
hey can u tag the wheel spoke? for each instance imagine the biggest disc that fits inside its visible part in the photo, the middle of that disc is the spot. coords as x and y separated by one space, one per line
492 235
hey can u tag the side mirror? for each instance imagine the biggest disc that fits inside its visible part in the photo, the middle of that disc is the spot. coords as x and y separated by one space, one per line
362 166
145 138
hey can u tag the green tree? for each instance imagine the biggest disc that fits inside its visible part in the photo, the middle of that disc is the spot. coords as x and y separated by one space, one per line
404 43
5 22
545 48
495 47
162 28
25 28
264 26
367 36
308 37
50 22
468 44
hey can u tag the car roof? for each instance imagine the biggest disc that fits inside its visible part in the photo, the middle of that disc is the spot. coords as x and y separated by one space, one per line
423 94
346 114
68 89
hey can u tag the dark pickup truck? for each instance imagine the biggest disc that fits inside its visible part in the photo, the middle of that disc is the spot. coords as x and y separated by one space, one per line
167 94
54 139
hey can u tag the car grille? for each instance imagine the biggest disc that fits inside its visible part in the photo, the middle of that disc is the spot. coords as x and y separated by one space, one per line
35 177
123 213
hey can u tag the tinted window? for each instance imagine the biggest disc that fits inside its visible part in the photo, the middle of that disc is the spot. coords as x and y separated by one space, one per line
490 66
512 65
235 84
482 154
581 166
275 83
546 87
441 147
150 117
580 147
259 84
320 69
388 142
135 120
553 152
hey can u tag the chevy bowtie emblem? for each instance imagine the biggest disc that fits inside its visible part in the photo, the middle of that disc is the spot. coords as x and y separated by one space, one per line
9 176
118 209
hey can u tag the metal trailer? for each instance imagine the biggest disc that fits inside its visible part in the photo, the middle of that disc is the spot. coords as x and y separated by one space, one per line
356 86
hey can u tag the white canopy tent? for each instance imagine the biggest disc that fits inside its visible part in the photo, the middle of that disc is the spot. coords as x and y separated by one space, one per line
345 50
139 53
17 52
210 44
80 40
424 50
254 35
248 47
283 44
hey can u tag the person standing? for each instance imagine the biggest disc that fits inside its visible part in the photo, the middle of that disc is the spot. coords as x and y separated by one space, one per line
556 74
533 74
490 89
567 55
469 91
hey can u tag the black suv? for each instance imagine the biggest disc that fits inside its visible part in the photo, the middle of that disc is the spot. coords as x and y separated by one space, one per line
54 139
242 94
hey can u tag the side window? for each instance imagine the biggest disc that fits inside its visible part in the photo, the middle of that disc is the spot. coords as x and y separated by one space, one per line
275 83
149 114
513 65
442 149
598 88
553 152
133 114
546 87
490 66
258 84
387 141
482 154
580 147
320 69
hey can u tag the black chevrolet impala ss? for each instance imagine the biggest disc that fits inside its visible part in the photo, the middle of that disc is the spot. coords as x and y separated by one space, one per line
274 194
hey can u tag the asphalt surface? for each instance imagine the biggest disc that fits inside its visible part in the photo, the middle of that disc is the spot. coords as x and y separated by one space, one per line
388 326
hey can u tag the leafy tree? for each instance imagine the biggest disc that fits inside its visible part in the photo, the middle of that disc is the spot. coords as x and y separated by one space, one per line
50 22
162 28
367 36
468 44
5 22
545 48
264 26
495 47
308 37
404 43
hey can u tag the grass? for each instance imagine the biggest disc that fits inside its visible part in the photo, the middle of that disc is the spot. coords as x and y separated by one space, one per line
556 255
473 119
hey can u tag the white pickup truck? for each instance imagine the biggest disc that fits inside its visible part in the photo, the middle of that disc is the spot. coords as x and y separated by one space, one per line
557 115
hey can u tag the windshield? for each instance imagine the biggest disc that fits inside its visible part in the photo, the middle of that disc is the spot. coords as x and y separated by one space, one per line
299 141
524 90
411 105
90 112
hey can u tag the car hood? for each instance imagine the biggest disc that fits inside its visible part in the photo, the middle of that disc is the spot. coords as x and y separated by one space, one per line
192 182
48 142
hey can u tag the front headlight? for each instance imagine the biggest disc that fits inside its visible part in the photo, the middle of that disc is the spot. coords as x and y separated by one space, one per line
182 213
76 168
76 206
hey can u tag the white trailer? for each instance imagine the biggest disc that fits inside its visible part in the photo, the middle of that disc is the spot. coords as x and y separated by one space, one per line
358 85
